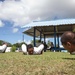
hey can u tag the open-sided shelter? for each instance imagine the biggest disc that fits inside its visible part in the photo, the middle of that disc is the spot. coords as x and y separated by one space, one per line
47 29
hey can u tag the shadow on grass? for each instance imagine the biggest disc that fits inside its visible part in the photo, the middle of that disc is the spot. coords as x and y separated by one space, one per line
69 58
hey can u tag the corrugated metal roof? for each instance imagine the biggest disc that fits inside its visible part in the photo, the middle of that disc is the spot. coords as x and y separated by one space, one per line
49 23
47 27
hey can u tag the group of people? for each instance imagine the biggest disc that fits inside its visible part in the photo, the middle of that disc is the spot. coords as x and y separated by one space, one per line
30 49
67 40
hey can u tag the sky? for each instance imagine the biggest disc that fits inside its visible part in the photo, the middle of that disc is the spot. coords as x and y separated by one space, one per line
16 13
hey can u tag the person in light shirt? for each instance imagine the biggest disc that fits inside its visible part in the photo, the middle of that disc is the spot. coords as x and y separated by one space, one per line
32 50
3 48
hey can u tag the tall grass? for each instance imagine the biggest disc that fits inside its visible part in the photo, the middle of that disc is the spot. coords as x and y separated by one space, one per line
49 63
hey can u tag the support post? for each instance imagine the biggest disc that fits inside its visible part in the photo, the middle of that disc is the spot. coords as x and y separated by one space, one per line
58 40
44 38
55 37
34 36
40 36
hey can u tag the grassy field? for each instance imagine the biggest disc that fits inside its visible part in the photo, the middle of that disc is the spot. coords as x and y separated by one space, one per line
50 63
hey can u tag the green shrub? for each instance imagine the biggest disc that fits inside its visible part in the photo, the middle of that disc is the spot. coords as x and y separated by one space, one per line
13 48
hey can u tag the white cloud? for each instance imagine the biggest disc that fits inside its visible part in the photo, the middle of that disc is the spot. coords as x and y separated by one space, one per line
19 41
15 30
27 41
1 24
22 12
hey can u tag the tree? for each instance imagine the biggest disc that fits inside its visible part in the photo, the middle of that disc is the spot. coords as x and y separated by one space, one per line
18 45
32 42
13 49
1 42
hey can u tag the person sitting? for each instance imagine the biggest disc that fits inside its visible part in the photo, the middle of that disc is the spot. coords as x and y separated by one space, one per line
45 46
32 50
52 47
3 48
68 41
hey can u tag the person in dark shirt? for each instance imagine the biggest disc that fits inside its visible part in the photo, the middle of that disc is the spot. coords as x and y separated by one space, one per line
45 46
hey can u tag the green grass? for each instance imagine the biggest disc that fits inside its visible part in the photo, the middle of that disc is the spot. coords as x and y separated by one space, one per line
49 63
